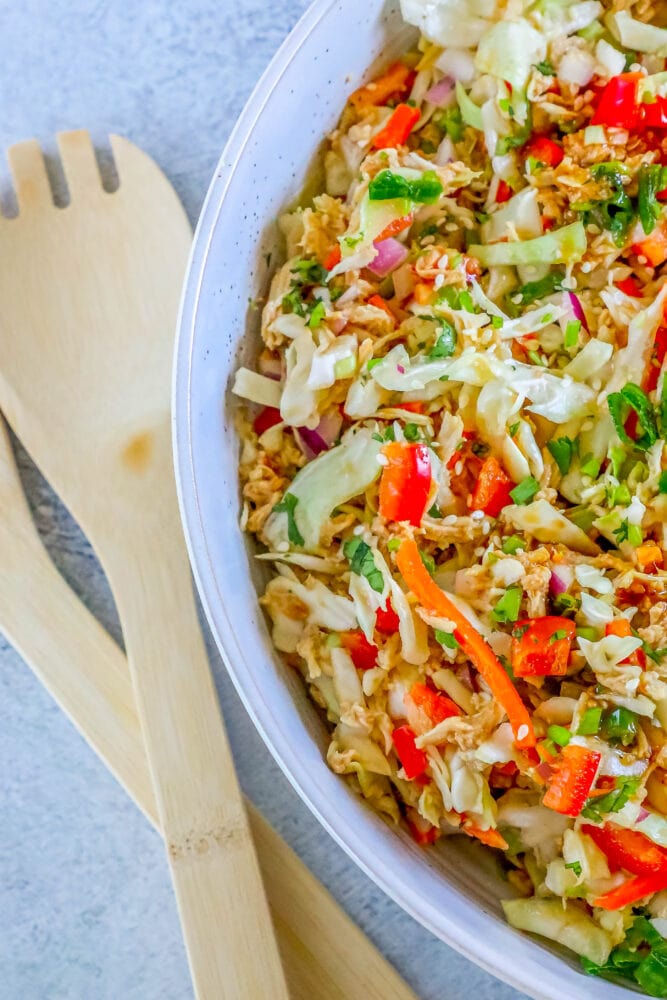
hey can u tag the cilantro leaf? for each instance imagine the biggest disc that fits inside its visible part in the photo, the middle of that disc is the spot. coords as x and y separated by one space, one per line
652 180
362 562
288 506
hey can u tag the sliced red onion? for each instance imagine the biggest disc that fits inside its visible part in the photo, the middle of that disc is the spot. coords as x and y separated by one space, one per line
642 815
313 442
561 580
572 301
544 771
270 366
441 93
337 322
390 255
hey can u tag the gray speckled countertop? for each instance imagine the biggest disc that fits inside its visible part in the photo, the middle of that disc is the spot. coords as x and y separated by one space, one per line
87 910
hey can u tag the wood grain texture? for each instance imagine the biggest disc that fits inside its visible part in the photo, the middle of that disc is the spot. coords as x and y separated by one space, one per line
93 290
324 954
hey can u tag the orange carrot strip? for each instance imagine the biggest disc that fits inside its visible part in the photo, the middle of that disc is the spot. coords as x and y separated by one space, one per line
473 644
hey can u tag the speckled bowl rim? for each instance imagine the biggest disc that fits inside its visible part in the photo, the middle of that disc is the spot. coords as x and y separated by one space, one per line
527 966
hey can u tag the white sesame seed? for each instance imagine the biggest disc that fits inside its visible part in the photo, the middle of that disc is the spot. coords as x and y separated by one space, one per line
522 732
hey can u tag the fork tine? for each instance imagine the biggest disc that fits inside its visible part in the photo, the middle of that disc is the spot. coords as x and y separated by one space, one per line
31 181
79 163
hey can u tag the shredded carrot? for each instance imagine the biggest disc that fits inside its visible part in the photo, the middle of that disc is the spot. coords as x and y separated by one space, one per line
379 303
332 258
423 293
489 837
394 81
649 556
435 600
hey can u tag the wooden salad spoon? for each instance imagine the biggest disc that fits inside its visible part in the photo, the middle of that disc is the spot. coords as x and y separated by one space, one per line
89 298
324 954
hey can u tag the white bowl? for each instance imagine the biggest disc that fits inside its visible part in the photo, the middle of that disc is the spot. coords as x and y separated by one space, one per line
454 888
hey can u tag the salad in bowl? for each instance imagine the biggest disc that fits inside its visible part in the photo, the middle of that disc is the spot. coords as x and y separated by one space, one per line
453 456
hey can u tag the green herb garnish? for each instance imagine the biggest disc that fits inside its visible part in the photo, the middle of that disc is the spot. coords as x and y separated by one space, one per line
288 506
506 610
525 491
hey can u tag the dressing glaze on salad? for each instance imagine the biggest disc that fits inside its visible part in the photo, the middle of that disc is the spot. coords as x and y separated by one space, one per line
455 457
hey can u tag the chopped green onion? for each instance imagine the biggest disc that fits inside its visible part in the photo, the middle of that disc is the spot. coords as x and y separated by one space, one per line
559 734
574 866
525 491
316 317
589 723
662 482
562 451
497 322
394 544
617 457
587 632
387 185
620 725
620 496
572 331
590 467
513 544
446 639
507 608
429 561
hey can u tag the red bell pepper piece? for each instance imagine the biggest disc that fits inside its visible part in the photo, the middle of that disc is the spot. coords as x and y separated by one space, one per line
437 707
632 891
429 595
571 780
492 489
503 192
628 849
395 227
423 832
544 150
398 128
630 286
653 247
621 627
333 258
657 359
413 760
364 654
617 106
268 417
386 619
415 407
654 115
535 651
405 485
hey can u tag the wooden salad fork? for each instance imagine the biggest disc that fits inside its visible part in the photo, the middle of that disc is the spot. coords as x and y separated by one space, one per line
89 298
324 954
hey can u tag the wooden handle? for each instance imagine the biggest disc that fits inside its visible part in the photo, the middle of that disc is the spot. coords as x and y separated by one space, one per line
223 908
